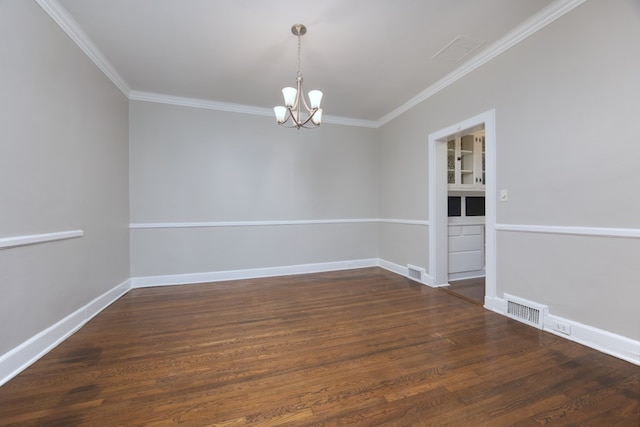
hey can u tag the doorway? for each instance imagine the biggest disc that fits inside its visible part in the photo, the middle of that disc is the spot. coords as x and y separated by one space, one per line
438 206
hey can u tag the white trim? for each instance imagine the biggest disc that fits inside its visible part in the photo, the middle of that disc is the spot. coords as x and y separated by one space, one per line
577 231
607 342
540 20
19 358
247 223
438 219
404 221
349 121
604 341
494 303
404 271
32 239
217 276
69 25
159 98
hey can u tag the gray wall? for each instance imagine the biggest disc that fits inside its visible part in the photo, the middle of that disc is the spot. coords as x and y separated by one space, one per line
567 102
63 166
191 165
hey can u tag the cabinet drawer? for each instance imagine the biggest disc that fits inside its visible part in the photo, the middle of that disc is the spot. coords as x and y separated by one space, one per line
455 230
472 230
465 230
465 243
465 261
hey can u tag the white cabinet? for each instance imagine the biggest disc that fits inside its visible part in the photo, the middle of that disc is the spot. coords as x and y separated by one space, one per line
465 162
466 250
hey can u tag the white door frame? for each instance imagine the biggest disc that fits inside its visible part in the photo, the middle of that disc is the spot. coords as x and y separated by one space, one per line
438 220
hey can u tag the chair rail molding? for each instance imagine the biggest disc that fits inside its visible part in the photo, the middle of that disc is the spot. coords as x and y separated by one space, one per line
32 239
571 230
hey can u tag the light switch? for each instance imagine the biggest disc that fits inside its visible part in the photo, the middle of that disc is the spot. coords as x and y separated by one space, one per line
504 195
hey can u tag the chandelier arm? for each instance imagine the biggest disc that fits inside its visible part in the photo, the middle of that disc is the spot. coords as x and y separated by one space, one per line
306 106
308 119
307 123
298 90
283 124
293 114
299 95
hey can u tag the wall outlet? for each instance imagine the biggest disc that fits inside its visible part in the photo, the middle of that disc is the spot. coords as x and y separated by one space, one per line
561 327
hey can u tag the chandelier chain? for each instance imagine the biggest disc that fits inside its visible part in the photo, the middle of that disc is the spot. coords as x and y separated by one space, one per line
299 45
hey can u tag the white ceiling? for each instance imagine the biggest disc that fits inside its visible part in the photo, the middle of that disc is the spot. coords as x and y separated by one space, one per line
369 57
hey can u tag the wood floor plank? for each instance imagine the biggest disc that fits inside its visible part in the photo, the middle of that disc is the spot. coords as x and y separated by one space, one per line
360 347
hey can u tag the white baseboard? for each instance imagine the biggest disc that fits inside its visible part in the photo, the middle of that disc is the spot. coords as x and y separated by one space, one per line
607 342
402 270
495 304
21 357
604 341
217 276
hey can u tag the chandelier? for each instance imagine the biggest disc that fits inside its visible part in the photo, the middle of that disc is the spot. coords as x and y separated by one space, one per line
297 112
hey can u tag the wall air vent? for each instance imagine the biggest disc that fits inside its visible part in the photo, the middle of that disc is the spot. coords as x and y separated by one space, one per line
415 273
525 311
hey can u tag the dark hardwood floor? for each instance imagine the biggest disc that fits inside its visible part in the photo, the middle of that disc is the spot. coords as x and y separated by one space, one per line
353 348
471 290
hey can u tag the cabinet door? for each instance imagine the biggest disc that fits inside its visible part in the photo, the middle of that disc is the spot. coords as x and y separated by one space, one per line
465 162
466 248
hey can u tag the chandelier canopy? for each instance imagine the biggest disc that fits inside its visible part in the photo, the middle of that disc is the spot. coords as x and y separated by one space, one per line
297 112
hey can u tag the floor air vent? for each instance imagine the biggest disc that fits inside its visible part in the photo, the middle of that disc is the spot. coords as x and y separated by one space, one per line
525 311
415 273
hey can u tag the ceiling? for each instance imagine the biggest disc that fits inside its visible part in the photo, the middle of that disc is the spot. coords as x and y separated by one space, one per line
369 57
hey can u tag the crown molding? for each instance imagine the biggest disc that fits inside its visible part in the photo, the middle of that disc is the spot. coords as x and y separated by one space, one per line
69 25
543 18
160 98
136 95
540 20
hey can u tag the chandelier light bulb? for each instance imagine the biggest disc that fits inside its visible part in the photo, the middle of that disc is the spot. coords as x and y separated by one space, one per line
280 113
315 96
289 96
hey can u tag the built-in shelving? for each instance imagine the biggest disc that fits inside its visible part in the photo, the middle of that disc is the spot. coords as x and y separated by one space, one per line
465 162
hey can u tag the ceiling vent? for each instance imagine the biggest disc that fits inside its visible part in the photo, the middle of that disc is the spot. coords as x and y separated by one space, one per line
525 311
457 49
